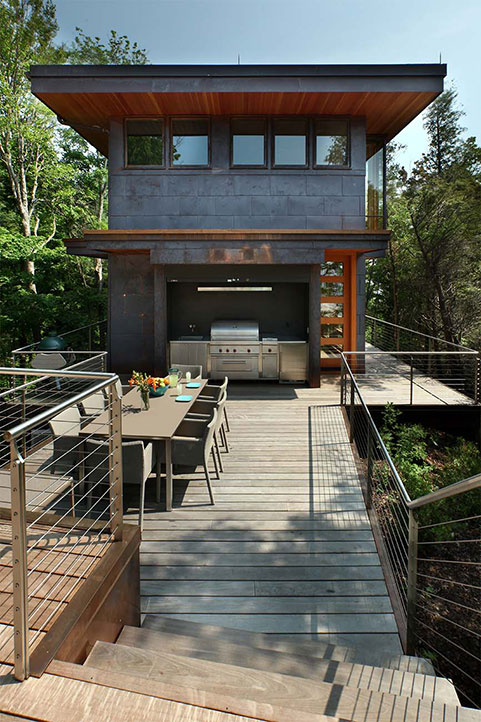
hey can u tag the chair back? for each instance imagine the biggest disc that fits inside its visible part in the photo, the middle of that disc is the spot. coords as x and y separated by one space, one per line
66 423
210 431
118 386
94 404
220 411
134 455
195 371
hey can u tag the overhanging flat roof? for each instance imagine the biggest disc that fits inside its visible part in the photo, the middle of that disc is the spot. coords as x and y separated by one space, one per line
87 97
221 246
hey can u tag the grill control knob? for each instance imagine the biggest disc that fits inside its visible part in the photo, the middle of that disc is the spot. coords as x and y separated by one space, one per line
248 350
227 350
269 350
235 350
220 350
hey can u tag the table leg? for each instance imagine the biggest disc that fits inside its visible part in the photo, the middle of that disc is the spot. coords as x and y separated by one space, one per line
158 469
168 474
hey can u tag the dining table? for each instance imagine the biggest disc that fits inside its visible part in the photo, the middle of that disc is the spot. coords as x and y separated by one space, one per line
157 424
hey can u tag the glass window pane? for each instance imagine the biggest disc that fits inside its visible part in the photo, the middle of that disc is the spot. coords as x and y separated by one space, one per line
332 289
248 141
332 310
290 142
331 142
190 142
332 268
331 351
375 185
248 150
332 330
145 143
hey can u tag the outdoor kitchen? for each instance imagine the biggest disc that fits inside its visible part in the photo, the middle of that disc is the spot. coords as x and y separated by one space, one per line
244 330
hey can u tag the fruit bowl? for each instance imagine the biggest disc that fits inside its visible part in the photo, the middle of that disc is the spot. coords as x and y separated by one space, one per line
159 391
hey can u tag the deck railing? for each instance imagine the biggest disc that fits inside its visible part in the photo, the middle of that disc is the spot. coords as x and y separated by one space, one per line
90 337
388 336
430 550
61 495
450 377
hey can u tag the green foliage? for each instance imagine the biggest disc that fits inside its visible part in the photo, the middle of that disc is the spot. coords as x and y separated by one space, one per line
52 183
428 460
431 278
118 50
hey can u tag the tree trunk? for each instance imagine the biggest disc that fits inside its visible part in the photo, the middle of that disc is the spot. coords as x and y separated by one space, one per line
99 272
30 268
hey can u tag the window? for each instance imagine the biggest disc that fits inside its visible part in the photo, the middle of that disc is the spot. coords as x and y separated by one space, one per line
375 184
331 146
145 142
190 142
248 142
332 268
290 142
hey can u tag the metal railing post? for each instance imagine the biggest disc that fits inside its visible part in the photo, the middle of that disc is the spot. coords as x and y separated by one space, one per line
351 415
343 375
477 379
115 463
411 377
373 332
412 583
19 558
369 467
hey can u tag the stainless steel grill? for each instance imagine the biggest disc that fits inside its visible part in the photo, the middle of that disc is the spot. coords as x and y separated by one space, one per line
236 351
234 331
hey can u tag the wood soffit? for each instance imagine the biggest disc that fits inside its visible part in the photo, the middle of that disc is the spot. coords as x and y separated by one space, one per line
88 98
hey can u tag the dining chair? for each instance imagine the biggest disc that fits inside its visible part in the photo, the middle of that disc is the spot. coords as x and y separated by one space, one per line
195 371
211 391
93 405
204 409
192 446
67 442
137 465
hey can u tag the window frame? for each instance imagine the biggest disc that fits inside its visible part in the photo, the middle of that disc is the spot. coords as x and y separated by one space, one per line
172 120
157 118
276 166
232 119
323 166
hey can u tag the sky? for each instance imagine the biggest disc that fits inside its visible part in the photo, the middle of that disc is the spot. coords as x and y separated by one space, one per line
300 31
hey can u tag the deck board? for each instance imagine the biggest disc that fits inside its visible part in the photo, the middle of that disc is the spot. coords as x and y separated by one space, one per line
288 548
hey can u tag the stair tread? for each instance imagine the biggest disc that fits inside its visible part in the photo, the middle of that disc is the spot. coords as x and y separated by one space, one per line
294 693
379 679
286 644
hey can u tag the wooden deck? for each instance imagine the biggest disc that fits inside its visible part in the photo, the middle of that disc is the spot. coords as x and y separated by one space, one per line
288 548
59 561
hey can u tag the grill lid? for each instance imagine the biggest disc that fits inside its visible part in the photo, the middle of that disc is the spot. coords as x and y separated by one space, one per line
234 331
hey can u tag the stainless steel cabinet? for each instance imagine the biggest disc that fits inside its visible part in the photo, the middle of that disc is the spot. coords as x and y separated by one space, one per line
293 361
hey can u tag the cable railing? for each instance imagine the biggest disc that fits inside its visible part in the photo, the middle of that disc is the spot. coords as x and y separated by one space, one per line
90 337
429 548
61 497
419 377
388 336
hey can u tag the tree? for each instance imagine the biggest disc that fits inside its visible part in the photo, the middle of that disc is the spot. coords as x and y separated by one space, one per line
434 271
87 50
118 50
27 128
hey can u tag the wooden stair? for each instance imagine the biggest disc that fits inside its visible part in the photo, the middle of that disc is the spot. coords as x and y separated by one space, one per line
243 676
201 636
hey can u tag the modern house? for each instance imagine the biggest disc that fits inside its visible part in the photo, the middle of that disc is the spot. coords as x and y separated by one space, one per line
239 193
254 555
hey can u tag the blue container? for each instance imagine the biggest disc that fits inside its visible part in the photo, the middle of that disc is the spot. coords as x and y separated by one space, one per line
160 391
